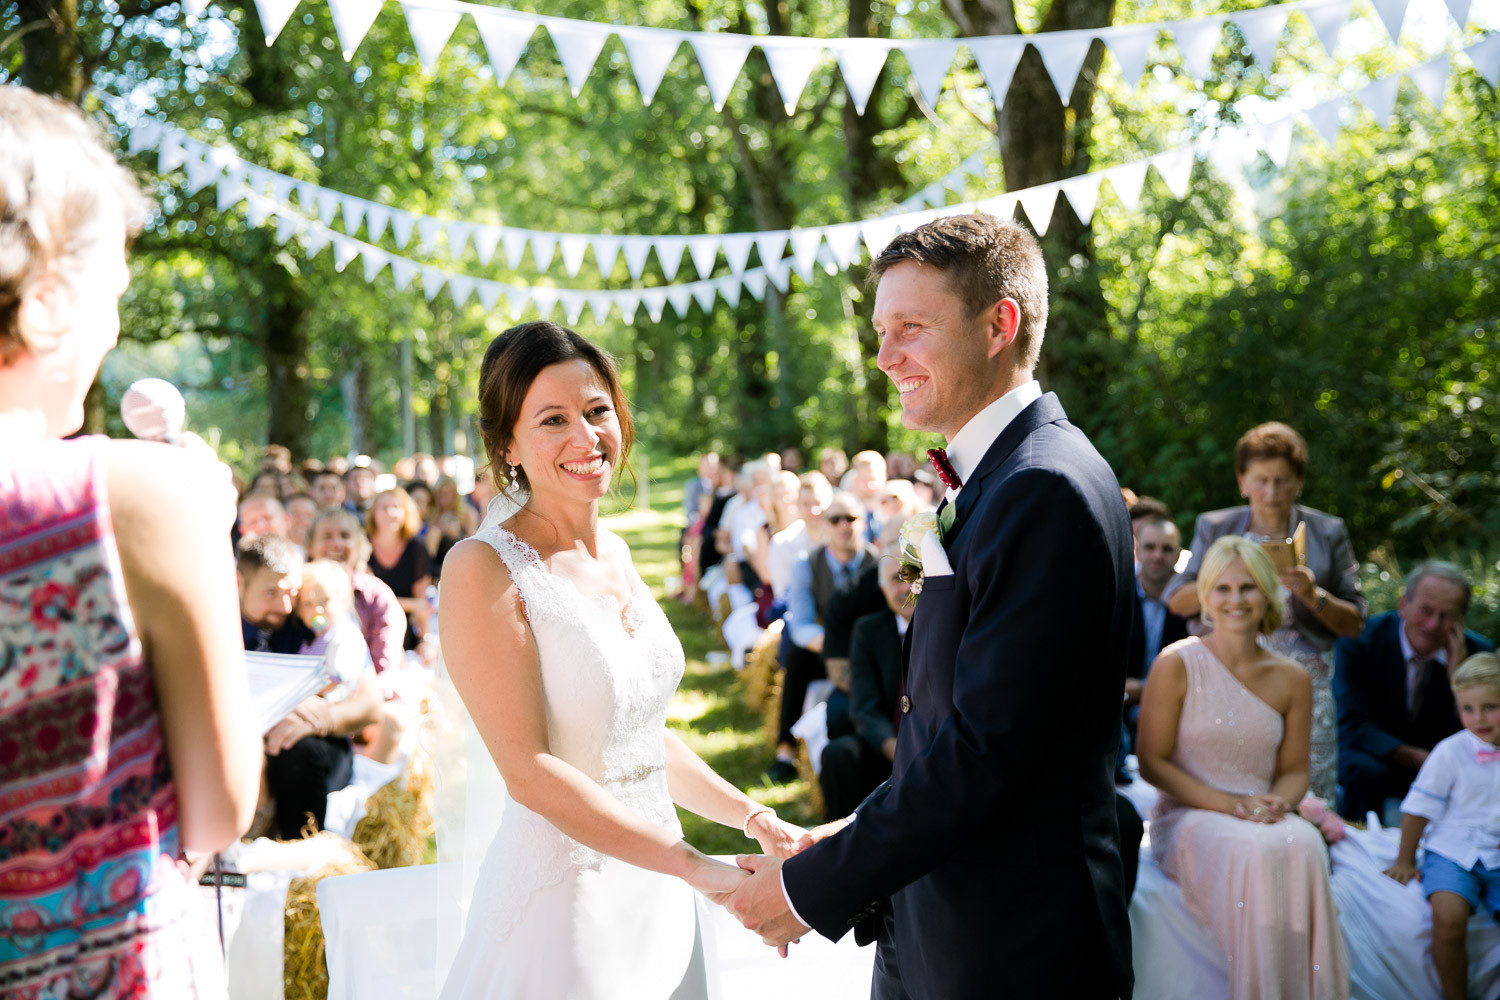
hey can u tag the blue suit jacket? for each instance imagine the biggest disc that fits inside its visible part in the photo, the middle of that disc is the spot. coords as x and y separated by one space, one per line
1369 683
996 838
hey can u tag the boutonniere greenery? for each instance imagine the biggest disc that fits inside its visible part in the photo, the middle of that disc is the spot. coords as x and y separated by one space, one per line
909 544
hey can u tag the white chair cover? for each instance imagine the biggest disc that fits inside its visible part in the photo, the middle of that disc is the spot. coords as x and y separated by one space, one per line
380 933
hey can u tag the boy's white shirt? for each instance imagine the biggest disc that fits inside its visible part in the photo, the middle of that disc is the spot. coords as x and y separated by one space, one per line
1460 798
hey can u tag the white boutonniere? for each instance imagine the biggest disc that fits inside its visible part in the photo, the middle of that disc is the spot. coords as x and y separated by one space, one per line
921 548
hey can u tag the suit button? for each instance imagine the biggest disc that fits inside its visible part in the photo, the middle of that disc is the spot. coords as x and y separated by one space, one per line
905 704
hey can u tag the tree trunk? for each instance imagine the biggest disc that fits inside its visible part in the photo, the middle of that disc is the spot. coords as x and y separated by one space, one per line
288 392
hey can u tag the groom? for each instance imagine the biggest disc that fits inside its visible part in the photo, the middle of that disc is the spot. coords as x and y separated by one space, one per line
990 862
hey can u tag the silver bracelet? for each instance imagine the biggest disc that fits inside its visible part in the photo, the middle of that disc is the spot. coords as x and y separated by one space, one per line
754 813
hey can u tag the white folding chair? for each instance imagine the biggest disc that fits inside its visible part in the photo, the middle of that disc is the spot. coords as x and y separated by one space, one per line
380 933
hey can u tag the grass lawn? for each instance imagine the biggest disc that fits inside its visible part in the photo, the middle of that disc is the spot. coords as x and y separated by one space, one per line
709 711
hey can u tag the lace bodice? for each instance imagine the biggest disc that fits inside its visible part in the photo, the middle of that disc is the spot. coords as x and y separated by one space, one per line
1226 736
608 676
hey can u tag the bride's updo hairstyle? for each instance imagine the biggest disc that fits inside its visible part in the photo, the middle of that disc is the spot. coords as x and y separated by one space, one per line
1225 551
511 363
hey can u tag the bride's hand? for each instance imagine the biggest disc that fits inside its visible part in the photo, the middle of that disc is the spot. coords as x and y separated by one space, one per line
776 836
715 879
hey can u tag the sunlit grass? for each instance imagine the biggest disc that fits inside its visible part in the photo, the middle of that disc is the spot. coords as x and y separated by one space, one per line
709 711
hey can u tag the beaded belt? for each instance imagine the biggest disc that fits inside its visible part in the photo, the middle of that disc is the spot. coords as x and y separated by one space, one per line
631 775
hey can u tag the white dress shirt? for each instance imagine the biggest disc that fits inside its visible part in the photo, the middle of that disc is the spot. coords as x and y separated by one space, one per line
974 438
1460 798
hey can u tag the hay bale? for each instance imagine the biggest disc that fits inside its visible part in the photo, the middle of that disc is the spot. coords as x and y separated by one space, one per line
397 825
809 777
772 710
761 673
304 970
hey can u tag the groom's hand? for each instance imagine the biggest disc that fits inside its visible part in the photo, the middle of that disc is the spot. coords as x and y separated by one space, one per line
760 904
817 833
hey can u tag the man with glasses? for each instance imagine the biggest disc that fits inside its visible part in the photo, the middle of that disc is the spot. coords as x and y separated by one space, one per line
840 572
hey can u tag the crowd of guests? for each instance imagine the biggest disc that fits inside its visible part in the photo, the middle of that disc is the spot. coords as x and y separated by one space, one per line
1263 700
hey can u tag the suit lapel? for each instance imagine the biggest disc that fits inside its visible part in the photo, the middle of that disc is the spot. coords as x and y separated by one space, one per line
1044 410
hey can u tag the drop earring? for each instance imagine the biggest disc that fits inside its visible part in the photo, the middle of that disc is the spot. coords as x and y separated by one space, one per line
512 472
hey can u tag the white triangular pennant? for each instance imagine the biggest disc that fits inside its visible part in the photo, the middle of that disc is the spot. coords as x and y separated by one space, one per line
427 232
737 250
514 241
1262 31
1431 78
328 205
1038 203
1485 55
375 261
636 249
307 192
486 238
344 251
573 246
402 272
705 253
545 300
505 37
1130 46
805 243
1196 40
997 58
669 254
145 135
1276 138
860 63
606 252
274 15
780 276
653 299
843 241
430 30
755 283
704 293
258 209
1325 118
1392 13
578 44
201 170
231 193
791 61
721 57
543 246
401 226
877 233
599 303
288 224
1175 168
377 217
929 62
650 52
489 294
1063 53
1328 19
518 299
354 213
680 296
351 22
1126 180
572 303
1083 194
314 239
458 237
1003 206
193 8
1460 11
259 179
729 290
1380 97
627 302
170 153
432 281
771 244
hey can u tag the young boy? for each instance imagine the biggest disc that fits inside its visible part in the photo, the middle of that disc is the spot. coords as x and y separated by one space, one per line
1457 791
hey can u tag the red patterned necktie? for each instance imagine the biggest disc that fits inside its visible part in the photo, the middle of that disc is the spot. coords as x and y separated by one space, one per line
939 459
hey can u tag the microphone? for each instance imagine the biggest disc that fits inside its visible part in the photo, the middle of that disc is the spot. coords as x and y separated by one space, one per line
153 410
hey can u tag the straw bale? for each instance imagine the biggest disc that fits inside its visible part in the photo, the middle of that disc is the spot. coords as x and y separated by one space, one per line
761 673
304 970
397 825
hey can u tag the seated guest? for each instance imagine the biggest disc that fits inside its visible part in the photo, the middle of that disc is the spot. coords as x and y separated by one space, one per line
791 460
803 534
700 486
359 484
336 535
1157 545
1323 597
327 489
308 753
268 570
262 514
1391 682
1454 800
1225 827
816 580
864 479
398 557
300 511
854 764
833 463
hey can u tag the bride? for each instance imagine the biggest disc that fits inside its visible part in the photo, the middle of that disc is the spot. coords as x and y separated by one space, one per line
567 666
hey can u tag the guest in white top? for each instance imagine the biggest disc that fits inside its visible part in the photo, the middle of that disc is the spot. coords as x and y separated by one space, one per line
1456 800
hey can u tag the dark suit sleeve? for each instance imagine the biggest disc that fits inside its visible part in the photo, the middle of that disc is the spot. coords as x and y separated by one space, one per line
1017 680
1356 668
869 709
846 606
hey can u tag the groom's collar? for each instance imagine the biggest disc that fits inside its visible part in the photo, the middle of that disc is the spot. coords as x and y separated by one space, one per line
973 440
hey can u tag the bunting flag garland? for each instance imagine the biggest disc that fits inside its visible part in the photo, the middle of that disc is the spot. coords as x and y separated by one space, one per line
721 55
268 201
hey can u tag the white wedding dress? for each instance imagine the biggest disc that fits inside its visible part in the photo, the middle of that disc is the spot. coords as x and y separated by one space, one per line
549 918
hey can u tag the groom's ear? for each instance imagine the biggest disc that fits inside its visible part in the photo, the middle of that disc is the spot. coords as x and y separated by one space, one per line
1002 321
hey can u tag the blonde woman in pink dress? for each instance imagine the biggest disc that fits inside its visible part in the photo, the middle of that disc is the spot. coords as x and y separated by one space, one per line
1224 731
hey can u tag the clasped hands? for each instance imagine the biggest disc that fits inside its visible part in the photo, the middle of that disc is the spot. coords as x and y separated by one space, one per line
1267 808
752 892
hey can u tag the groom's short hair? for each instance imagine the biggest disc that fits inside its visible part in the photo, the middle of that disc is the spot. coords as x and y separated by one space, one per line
986 260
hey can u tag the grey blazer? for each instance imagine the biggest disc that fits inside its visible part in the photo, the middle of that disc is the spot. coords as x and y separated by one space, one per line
1329 555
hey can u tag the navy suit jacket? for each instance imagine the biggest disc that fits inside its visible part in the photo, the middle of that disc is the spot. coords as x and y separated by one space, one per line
1369 684
996 839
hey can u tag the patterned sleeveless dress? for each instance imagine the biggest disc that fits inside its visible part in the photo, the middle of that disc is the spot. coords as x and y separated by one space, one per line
93 902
